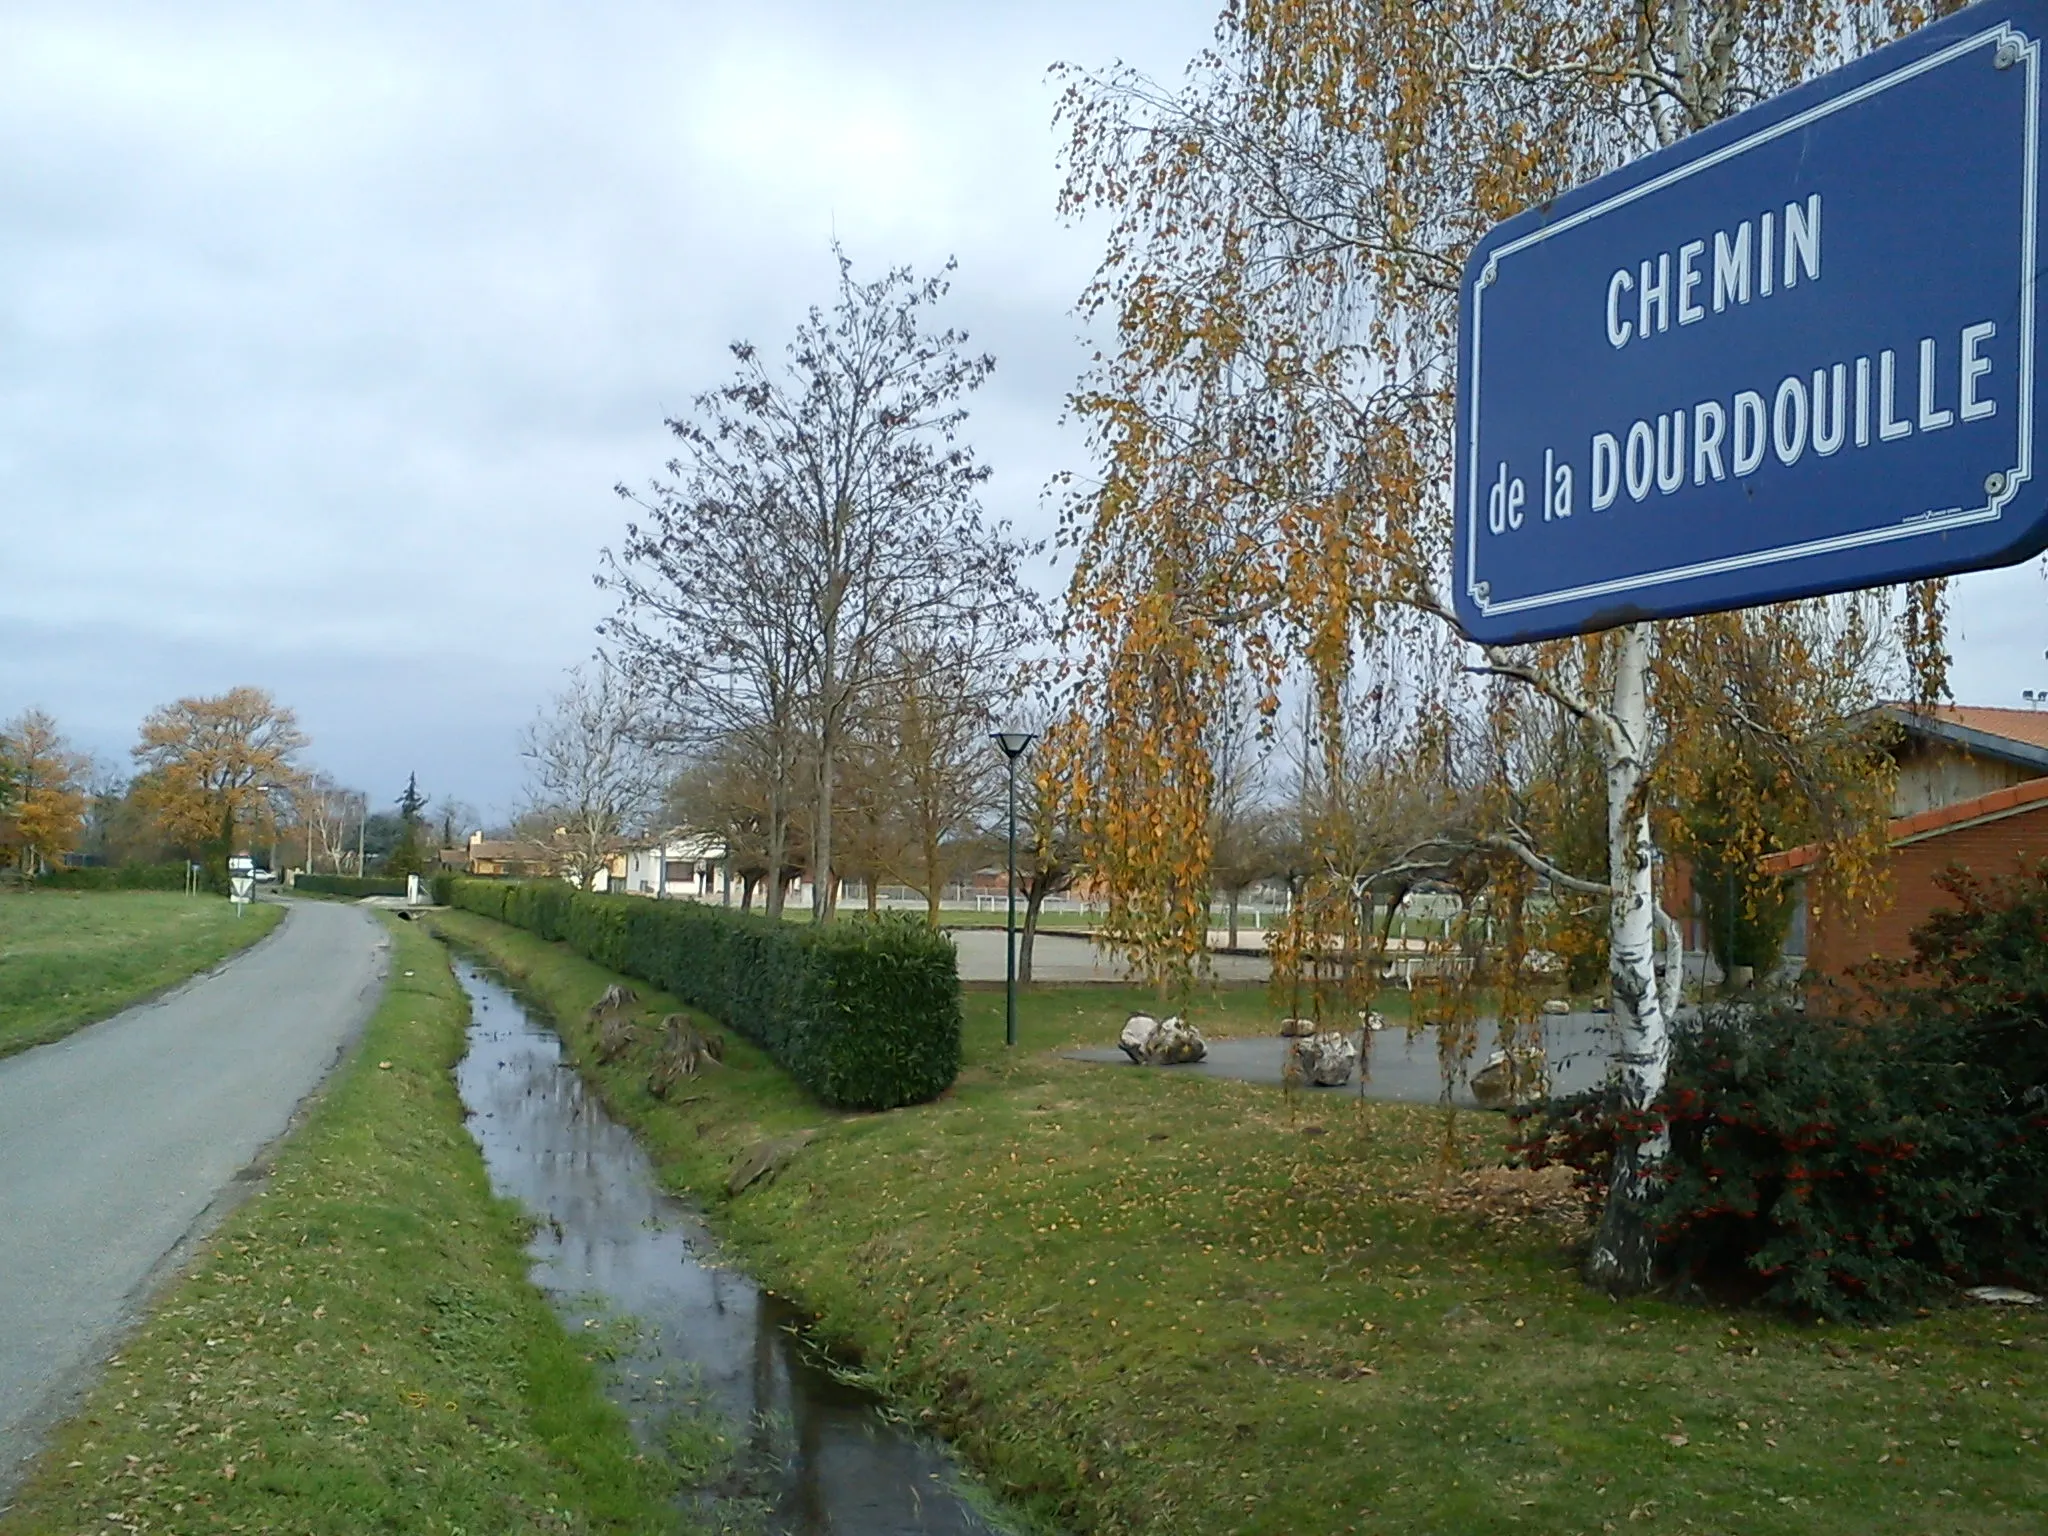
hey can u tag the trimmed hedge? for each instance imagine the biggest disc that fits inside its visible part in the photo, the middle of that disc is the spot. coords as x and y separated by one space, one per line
350 885
123 877
864 1012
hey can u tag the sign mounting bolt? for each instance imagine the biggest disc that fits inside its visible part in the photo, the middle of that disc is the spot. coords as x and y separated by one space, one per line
2010 50
1994 484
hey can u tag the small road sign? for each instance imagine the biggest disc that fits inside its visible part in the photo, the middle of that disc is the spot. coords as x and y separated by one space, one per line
241 879
1795 353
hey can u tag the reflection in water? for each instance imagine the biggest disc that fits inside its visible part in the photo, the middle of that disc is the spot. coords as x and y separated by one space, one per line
610 1243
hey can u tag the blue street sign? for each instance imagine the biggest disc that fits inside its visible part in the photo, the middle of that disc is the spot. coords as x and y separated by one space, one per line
1793 354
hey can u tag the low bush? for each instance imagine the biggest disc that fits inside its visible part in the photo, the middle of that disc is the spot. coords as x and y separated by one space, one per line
1853 1165
350 885
121 877
864 1012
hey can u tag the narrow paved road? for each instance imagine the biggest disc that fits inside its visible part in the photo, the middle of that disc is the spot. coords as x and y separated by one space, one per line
115 1142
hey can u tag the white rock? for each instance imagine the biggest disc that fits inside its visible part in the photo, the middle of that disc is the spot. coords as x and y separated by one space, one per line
1297 1029
2003 1294
1154 1042
1137 1035
1372 1019
1177 1041
1494 1086
1326 1060
1556 1005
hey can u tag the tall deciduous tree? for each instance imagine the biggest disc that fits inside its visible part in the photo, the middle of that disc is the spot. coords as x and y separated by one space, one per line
1049 821
933 740
591 769
206 764
42 805
826 505
1274 425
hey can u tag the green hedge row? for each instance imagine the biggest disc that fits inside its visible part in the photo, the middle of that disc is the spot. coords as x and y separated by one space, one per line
123 877
350 885
864 1012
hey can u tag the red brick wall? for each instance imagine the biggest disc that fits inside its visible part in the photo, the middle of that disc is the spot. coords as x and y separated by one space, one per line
1988 848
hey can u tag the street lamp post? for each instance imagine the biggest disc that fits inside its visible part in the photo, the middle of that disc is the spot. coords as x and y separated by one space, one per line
1014 744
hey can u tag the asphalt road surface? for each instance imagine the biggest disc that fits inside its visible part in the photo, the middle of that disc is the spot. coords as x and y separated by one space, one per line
118 1143
1577 1046
1074 957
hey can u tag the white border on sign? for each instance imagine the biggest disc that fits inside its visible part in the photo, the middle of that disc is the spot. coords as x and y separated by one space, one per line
2009 43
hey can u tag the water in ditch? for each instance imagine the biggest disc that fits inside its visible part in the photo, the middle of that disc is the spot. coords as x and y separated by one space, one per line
693 1342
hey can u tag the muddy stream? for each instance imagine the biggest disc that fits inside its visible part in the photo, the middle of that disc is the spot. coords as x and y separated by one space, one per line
686 1334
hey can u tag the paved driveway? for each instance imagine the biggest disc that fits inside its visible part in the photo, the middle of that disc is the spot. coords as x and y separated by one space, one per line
117 1142
1577 1045
1073 957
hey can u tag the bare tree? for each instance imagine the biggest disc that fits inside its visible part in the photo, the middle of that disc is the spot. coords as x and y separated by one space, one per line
1243 838
454 820
333 816
826 511
710 625
591 768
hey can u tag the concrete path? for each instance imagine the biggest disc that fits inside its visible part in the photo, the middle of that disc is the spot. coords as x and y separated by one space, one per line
1578 1046
1074 957
117 1143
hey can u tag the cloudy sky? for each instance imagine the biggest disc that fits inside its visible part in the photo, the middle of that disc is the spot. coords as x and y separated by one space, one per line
326 329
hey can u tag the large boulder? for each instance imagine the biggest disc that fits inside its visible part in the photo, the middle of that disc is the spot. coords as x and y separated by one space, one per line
1138 1031
1154 1042
1503 1081
1298 1029
1326 1060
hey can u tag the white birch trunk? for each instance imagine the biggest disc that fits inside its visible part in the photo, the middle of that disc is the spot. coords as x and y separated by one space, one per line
1623 1255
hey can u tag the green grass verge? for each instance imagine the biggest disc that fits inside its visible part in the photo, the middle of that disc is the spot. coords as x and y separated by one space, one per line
1150 1303
358 1349
68 958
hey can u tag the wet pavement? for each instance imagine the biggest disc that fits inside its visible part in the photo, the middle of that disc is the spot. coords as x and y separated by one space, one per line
693 1334
1577 1047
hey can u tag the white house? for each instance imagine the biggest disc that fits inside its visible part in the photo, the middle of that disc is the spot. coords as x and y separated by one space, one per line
692 867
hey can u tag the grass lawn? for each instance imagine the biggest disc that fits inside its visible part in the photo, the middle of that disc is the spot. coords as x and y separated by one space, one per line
1141 1302
70 957
358 1349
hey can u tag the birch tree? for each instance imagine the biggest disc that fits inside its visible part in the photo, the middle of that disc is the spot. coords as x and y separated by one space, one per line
1273 426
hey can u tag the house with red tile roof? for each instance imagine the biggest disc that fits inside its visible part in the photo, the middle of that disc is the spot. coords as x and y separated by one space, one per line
1972 791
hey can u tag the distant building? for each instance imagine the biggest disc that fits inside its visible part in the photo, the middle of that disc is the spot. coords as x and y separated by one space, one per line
518 858
1972 791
